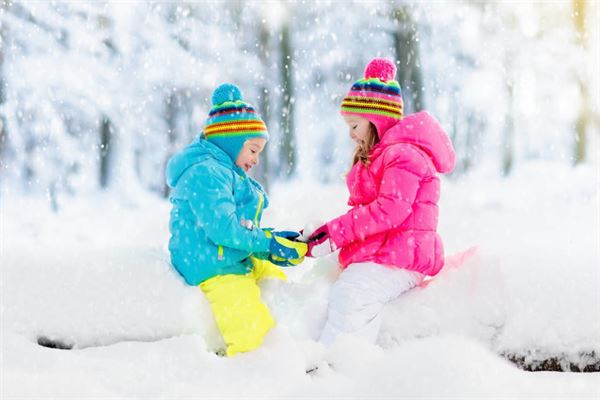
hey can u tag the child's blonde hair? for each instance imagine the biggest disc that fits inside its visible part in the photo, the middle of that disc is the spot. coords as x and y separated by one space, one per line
363 148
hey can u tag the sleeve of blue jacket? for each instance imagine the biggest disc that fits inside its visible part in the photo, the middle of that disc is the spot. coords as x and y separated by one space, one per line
210 195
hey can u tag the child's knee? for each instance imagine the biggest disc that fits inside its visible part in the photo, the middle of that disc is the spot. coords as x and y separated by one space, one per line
347 298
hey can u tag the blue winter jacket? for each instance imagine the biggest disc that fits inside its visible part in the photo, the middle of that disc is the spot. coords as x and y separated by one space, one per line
212 198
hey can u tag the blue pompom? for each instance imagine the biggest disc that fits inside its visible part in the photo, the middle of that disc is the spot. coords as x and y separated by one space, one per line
226 92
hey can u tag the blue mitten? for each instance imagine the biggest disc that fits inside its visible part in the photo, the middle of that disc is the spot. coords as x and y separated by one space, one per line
284 248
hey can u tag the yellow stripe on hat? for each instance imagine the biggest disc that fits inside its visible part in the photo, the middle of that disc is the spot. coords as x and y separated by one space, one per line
233 127
370 105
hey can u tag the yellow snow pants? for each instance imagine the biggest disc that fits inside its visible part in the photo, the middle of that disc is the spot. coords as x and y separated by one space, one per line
242 318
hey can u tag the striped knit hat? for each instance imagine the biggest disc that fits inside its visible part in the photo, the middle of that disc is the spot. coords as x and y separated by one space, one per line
231 121
377 97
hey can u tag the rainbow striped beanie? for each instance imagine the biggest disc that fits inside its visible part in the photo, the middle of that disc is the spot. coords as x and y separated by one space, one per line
231 121
377 97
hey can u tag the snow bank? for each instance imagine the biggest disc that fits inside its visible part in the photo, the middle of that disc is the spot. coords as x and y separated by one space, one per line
97 275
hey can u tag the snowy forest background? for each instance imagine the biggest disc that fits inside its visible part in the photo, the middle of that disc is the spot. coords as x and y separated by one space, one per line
95 96
100 94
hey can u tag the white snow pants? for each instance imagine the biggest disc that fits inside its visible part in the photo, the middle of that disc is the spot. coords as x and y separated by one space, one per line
358 296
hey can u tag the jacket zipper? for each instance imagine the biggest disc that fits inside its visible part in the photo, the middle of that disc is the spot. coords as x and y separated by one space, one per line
260 204
259 208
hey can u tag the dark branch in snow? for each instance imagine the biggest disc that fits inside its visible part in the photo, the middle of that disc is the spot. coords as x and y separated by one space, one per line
588 362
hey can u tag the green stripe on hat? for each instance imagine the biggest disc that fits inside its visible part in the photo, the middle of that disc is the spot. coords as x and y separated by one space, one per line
371 111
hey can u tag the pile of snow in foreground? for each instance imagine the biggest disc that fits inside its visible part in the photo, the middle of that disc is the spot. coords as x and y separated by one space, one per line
441 366
97 274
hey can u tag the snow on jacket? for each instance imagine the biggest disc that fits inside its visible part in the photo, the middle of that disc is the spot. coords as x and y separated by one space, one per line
210 198
394 214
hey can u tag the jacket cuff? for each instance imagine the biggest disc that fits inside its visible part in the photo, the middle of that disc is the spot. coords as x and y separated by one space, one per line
338 233
262 242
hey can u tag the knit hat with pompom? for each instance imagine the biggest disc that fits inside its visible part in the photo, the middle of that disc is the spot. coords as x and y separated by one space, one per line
377 97
231 121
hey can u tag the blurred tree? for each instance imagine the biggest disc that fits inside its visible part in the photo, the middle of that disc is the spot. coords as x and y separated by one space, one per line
508 131
173 104
264 101
584 115
288 152
4 4
406 46
105 147
103 27
62 64
180 125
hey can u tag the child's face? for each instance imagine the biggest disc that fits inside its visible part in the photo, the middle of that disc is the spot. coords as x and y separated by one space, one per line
359 127
250 153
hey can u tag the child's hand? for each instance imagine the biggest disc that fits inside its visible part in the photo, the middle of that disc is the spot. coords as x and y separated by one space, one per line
283 246
319 243
284 262
309 228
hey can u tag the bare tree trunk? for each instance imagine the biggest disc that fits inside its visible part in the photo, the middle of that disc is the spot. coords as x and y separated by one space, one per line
454 135
581 125
583 118
508 146
406 47
508 133
173 102
264 105
106 136
288 150
474 126
3 129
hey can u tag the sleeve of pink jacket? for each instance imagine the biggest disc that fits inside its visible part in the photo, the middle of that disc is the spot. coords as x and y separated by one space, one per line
404 167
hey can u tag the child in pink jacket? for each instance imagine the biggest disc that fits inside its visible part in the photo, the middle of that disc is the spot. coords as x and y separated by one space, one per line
387 240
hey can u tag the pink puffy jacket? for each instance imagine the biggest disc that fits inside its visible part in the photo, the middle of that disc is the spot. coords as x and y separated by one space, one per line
394 213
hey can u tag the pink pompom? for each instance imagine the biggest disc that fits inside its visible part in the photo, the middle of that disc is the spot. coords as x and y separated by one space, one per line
381 68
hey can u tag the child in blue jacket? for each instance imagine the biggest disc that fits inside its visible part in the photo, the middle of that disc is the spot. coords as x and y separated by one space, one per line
216 240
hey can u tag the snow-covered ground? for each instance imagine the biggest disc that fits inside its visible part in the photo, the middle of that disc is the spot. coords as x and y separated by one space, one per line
96 275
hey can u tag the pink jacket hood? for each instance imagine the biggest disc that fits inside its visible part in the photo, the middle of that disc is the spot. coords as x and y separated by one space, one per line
424 131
